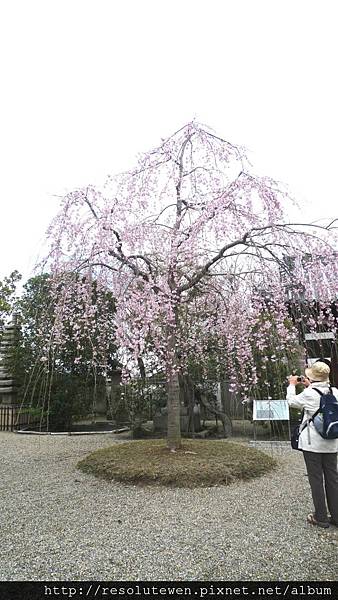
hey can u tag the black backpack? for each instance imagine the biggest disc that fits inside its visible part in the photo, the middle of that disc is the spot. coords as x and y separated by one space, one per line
325 418
296 433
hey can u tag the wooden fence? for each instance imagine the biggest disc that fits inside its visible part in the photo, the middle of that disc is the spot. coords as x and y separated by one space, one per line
14 416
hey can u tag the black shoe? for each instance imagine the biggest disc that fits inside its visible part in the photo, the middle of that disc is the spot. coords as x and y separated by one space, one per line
311 519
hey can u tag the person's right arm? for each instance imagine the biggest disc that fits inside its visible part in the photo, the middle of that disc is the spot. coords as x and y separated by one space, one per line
296 400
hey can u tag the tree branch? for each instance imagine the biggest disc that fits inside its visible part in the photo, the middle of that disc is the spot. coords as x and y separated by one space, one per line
158 216
146 260
180 177
124 260
199 275
242 241
90 205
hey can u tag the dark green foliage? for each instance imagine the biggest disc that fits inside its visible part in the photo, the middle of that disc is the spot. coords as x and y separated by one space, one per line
7 295
53 378
71 399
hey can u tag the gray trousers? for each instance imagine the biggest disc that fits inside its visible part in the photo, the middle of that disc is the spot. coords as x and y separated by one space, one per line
323 466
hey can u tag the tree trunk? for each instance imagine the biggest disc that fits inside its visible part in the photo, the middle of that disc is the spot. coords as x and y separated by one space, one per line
188 400
174 395
141 367
174 409
137 430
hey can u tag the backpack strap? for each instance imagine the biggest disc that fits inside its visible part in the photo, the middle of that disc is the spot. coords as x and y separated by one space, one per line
307 421
319 391
321 394
301 422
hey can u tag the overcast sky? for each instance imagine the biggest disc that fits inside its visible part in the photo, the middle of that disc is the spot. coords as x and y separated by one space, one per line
88 84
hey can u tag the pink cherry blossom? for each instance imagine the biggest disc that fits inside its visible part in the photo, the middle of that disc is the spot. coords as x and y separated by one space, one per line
200 257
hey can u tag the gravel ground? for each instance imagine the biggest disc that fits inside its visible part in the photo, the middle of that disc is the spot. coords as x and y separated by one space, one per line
60 524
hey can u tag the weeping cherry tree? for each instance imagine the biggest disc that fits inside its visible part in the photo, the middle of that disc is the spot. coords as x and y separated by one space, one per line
193 247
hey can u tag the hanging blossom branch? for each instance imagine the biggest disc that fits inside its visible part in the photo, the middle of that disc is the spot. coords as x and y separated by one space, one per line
149 238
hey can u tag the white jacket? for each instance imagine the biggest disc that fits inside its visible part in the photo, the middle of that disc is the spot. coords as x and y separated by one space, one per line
309 400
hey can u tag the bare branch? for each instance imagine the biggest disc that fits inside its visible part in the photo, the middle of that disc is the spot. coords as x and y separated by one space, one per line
194 170
239 242
234 273
162 211
200 274
146 260
180 176
105 265
125 261
163 225
151 166
326 227
119 241
329 225
90 205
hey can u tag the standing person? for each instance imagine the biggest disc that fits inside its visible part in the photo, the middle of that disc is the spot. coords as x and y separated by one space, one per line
320 454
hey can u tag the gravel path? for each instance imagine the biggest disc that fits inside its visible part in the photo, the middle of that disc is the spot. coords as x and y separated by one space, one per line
60 524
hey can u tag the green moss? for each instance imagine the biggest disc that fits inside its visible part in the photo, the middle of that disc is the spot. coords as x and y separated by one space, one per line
197 463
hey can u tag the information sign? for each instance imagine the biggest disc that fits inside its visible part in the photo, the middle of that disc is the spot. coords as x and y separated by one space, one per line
271 410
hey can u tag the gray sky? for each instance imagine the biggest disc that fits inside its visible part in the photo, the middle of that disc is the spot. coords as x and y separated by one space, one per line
88 84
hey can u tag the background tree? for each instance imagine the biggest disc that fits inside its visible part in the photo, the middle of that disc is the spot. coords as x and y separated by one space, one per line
187 242
62 380
7 295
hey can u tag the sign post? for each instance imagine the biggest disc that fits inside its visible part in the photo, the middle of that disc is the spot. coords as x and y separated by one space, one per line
271 410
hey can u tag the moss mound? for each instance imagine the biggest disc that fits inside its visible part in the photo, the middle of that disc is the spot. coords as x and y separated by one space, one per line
197 463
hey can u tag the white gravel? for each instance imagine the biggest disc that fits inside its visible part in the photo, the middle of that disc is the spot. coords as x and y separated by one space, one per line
60 524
